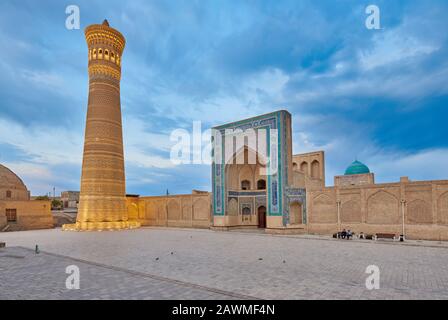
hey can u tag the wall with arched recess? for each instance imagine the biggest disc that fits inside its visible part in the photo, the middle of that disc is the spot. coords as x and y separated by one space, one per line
419 209
295 212
383 208
312 164
150 212
161 211
304 167
324 209
187 211
368 208
315 169
191 210
173 209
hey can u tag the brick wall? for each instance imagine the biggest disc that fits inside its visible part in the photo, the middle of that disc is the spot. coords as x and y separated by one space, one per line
191 210
380 208
30 214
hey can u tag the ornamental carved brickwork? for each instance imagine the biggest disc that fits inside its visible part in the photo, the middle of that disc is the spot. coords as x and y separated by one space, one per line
102 203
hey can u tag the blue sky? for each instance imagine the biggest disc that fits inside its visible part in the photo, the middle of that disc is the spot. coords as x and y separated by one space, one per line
376 95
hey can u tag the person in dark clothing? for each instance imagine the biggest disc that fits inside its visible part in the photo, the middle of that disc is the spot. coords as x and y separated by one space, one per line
349 234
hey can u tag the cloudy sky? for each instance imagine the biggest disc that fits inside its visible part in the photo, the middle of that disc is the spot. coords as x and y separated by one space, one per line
376 95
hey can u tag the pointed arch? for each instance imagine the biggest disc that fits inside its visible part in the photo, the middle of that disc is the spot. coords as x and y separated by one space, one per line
315 169
324 209
383 208
304 167
295 212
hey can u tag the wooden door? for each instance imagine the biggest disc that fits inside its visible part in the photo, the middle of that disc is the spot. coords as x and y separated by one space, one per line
262 217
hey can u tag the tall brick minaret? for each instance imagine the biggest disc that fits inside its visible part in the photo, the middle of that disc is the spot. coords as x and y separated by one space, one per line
102 204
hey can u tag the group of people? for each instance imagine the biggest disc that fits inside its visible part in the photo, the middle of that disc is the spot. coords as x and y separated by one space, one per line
346 234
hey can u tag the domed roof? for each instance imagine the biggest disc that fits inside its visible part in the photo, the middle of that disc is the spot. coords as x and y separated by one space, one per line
9 180
356 167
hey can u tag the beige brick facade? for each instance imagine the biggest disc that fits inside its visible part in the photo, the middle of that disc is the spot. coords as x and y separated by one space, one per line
102 200
186 211
17 211
417 208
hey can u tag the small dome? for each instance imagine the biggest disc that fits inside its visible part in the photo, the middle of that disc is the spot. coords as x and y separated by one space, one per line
9 179
357 168
11 186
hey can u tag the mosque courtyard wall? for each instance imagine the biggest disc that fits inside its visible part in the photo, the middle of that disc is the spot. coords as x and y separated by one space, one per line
374 208
422 206
185 211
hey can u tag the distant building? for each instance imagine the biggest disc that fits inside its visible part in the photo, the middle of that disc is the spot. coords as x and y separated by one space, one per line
17 211
70 199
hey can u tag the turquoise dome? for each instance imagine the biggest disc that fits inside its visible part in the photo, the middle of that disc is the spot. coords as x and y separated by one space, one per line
357 168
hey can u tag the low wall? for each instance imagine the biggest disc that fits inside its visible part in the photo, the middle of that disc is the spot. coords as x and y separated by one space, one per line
31 214
374 208
422 207
186 211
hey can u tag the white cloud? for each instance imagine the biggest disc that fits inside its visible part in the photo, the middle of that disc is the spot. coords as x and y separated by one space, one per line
422 165
137 141
43 79
387 164
136 134
44 144
393 46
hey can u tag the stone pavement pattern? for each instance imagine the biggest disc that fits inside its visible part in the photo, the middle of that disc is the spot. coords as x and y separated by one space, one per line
216 265
26 275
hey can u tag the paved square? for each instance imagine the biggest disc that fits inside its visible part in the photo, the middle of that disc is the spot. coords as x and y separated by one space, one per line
163 263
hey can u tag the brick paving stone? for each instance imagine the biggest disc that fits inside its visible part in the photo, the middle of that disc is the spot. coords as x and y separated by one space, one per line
215 265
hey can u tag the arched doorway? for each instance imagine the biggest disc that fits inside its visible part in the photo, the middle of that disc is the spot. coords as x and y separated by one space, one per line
295 213
262 217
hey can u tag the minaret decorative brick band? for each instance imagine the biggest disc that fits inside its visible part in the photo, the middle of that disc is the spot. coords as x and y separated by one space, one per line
102 203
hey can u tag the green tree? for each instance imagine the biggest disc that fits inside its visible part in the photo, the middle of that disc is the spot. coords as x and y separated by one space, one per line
42 198
56 204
